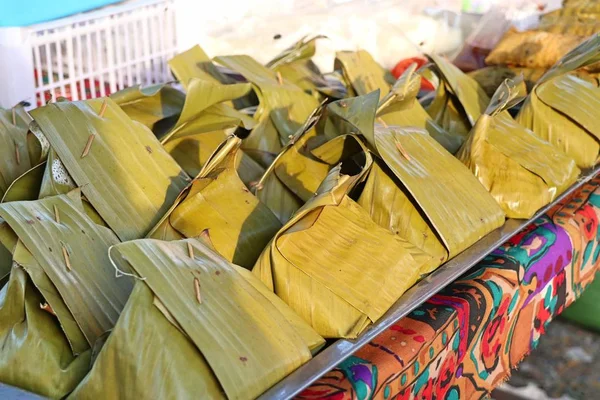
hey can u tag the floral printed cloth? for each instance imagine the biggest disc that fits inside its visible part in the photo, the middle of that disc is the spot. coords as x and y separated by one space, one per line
464 341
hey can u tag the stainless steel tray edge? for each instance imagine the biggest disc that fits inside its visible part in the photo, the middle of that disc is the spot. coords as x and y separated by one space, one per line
337 352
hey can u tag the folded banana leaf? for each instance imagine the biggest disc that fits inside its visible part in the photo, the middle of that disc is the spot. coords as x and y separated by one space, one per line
194 63
459 100
294 65
204 123
563 109
520 170
19 149
119 164
219 202
423 194
329 261
157 106
213 335
572 25
283 108
363 73
63 255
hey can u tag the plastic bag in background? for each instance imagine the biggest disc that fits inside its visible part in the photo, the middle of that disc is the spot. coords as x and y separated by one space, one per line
389 30
522 14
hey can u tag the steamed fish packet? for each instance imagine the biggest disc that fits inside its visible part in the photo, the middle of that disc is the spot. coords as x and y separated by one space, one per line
156 106
328 262
62 296
420 192
562 108
118 163
205 122
282 109
520 170
217 332
398 104
220 203
458 101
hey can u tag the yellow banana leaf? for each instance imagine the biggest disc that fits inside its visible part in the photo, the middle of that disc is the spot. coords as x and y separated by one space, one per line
120 166
236 339
400 107
240 226
294 64
327 263
157 106
520 170
65 255
363 72
283 108
459 99
572 25
193 63
562 109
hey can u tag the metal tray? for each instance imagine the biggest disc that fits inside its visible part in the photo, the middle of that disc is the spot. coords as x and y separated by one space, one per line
338 351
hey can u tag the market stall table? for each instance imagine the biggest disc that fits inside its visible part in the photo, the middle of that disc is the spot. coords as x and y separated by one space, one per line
464 341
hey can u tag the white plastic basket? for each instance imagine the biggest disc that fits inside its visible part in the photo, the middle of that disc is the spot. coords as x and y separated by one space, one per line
88 55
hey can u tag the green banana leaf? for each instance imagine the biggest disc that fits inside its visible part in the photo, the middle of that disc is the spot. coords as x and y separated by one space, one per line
14 149
562 108
65 255
283 108
36 355
120 166
520 170
235 338
27 186
363 72
459 100
219 202
193 63
327 263
157 106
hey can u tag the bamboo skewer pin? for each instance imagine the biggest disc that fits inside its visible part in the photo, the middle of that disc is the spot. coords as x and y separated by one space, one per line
56 215
401 148
382 122
190 250
67 258
92 136
197 290
14 116
279 78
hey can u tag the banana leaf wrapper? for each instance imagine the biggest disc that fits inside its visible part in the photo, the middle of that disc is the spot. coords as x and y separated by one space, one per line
63 281
214 333
459 100
283 108
520 170
532 49
571 25
582 9
219 202
562 109
157 107
195 63
328 262
20 149
119 164
294 65
204 124
420 192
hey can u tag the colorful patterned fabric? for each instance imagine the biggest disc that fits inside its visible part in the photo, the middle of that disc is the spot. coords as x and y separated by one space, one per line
464 341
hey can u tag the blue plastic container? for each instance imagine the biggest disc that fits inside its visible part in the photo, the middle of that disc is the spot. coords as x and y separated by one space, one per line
30 12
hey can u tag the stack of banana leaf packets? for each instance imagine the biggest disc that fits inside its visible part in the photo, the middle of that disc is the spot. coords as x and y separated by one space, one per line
205 242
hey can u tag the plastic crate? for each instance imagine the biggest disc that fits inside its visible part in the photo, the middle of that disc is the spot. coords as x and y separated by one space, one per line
88 55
